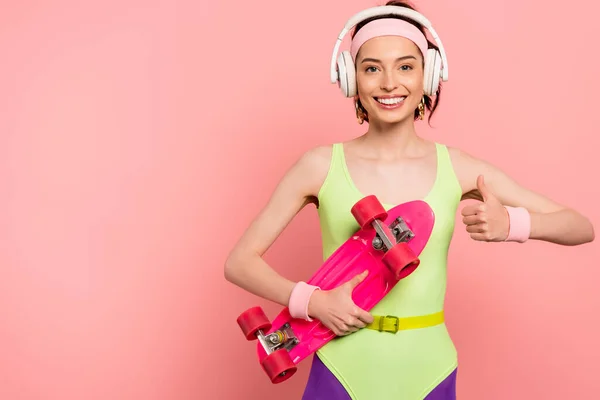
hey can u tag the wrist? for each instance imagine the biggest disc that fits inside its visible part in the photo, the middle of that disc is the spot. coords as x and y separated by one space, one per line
519 224
300 300
313 303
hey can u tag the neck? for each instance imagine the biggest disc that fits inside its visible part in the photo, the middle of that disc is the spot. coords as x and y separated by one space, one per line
391 140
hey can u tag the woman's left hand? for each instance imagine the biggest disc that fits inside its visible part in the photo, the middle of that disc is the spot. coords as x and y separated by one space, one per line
487 221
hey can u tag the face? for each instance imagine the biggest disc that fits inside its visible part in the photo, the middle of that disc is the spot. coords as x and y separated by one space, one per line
389 75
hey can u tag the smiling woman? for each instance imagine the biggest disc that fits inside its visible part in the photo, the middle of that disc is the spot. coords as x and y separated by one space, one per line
403 54
393 72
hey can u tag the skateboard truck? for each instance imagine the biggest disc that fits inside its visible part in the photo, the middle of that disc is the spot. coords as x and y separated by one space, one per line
282 338
399 229
277 364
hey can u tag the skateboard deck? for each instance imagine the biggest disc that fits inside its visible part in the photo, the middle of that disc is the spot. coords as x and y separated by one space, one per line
387 244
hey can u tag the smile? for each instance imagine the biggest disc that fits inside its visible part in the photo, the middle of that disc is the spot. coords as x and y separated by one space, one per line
390 102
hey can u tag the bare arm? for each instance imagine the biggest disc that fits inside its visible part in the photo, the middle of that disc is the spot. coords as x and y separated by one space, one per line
245 266
550 221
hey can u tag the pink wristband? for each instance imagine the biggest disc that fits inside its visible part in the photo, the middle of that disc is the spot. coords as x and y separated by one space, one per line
298 304
519 224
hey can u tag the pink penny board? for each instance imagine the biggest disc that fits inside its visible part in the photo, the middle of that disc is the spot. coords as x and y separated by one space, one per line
291 340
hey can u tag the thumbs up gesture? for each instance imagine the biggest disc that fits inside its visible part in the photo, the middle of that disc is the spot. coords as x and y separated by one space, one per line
488 220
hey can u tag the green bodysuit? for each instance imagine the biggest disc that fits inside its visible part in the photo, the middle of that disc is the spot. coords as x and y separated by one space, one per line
411 363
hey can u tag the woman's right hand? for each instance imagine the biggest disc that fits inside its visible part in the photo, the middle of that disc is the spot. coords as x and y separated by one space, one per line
336 310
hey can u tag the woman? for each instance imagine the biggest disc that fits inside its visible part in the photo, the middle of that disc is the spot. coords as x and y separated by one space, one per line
391 161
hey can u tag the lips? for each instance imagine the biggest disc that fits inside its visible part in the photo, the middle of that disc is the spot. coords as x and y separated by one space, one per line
390 101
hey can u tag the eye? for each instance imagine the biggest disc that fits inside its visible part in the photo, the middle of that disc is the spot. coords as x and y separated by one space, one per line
406 67
371 69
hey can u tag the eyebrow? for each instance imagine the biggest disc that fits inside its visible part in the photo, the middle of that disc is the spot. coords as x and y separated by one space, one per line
379 61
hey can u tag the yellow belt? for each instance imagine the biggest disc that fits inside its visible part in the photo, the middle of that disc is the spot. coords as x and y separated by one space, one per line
389 323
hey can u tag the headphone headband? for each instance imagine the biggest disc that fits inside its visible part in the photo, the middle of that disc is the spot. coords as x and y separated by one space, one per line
383 11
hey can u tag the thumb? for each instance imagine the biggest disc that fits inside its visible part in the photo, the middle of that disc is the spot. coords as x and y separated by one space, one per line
358 279
483 189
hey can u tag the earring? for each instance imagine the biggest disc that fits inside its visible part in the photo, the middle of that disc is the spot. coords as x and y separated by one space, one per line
422 108
360 114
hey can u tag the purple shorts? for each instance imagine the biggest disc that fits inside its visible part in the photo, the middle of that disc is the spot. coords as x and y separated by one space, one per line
323 385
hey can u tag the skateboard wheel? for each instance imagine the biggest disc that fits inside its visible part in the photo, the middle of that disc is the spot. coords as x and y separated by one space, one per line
279 366
251 320
368 209
401 260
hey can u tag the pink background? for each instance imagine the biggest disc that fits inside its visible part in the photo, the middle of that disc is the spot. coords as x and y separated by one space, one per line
119 121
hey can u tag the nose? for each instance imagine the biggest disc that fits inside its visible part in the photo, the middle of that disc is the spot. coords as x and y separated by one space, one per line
388 82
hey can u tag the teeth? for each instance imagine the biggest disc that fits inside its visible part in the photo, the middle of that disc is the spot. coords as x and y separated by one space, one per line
395 100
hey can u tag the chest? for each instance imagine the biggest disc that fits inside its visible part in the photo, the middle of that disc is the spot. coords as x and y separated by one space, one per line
393 182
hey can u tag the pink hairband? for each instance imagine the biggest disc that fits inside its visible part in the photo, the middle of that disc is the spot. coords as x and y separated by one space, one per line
388 27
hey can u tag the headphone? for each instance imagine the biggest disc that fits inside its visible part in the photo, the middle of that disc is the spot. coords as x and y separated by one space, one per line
344 73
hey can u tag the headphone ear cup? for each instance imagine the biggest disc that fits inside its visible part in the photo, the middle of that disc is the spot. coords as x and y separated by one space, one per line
346 74
432 71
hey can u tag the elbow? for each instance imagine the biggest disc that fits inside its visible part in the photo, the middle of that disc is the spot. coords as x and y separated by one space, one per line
232 268
589 235
592 234
583 229
229 269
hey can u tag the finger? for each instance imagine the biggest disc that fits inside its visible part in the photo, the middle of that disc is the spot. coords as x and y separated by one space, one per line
339 332
349 324
477 228
483 189
363 315
358 279
332 327
353 322
343 329
338 328
473 209
482 237
474 219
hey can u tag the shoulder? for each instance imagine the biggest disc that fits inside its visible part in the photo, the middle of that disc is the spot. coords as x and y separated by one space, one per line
470 164
459 156
317 156
311 168
316 160
468 167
